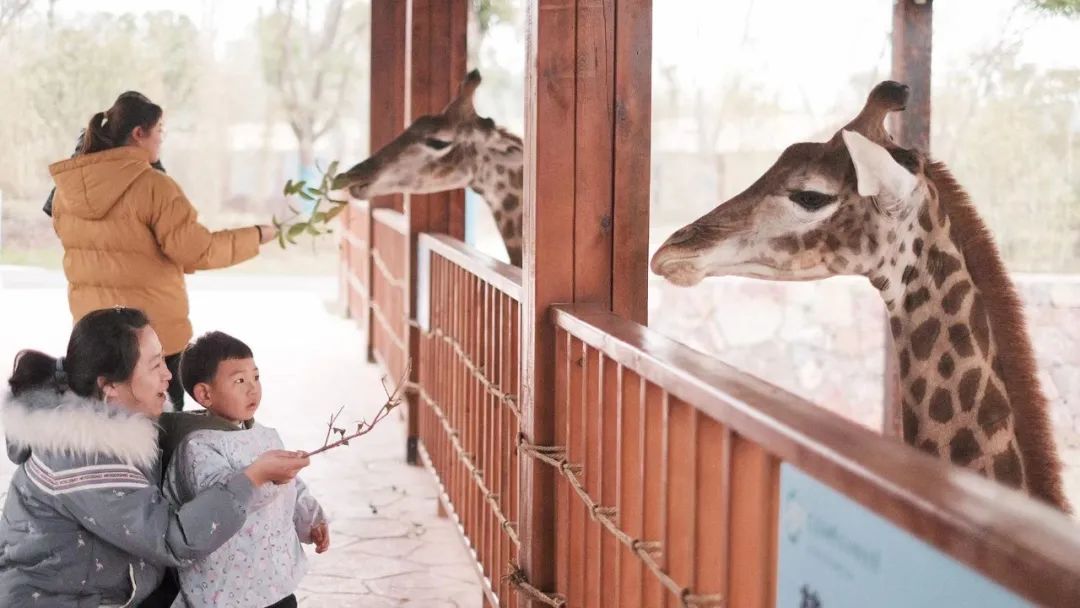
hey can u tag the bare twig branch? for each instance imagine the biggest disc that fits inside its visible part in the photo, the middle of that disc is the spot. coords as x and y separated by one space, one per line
393 399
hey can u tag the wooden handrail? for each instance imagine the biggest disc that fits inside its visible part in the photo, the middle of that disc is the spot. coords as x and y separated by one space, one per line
1024 545
391 219
504 277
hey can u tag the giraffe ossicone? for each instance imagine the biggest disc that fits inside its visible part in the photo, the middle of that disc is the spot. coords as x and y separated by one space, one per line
859 204
453 149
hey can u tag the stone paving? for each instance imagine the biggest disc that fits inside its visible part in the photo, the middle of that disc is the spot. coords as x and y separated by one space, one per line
389 548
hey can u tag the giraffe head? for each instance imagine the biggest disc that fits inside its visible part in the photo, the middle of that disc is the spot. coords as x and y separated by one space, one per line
822 209
436 153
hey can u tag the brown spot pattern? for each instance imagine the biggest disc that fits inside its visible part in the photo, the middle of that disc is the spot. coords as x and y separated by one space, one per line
969 387
941 408
786 244
924 219
911 424
1007 467
993 411
924 337
980 324
964 447
905 363
946 366
916 299
918 390
960 337
941 265
952 300
896 326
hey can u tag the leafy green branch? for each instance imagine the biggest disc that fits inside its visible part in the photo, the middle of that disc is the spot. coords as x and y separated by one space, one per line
317 222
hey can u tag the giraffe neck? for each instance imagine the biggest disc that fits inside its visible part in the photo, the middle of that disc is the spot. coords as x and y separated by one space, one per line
958 397
497 177
954 398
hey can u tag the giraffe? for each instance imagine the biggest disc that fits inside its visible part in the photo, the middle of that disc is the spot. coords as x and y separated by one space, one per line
859 204
450 150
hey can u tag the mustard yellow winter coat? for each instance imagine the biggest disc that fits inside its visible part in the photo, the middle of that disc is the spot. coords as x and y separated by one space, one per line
130 234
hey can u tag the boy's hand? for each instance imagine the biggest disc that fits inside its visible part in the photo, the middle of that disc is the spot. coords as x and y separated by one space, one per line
320 535
277 466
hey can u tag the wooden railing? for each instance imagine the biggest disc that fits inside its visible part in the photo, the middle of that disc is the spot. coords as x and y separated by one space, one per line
469 318
670 477
389 276
669 463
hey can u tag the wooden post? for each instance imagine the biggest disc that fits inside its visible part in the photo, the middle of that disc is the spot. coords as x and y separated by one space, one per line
587 120
911 47
911 50
435 66
388 115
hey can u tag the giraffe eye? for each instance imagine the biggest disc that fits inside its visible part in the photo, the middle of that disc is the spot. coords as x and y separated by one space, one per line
810 200
436 144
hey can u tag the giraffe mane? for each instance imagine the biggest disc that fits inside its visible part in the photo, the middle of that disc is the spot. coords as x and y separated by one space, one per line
1019 371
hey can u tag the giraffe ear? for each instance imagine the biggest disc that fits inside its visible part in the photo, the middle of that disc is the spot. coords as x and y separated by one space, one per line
876 171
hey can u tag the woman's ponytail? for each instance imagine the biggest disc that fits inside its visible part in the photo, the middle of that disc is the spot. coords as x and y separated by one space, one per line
112 129
97 136
33 369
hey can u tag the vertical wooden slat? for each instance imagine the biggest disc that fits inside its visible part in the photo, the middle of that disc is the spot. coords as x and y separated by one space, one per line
754 481
565 388
513 374
655 461
575 454
590 424
609 490
713 503
499 447
681 496
631 482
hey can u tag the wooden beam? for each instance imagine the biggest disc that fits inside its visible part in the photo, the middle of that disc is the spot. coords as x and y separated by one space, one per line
435 54
387 116
633 128
912 36
587 113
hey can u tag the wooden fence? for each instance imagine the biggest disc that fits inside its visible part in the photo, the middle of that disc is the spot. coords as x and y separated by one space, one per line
388 275
668 462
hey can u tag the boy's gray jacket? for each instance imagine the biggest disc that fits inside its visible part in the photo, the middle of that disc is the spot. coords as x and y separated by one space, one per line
85 522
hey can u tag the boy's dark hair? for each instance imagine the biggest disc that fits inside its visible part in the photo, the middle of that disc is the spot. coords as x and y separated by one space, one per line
200 360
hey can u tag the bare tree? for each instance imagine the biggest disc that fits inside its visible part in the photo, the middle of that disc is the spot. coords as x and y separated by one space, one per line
312 67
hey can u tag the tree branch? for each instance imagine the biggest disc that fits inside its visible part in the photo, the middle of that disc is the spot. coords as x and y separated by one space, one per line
393 398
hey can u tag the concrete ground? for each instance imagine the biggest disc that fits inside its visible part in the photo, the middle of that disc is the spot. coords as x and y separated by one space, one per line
389 548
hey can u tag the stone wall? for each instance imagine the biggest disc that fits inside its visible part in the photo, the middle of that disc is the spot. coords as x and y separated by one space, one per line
824 340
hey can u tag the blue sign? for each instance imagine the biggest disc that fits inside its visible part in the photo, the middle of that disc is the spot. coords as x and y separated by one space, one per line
834 553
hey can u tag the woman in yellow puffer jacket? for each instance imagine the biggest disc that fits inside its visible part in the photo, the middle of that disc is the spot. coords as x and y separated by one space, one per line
130 234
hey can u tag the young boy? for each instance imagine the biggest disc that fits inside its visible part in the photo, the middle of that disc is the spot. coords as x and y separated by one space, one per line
263 563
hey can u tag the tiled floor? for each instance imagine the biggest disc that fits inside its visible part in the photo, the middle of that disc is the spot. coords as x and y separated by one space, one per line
388 546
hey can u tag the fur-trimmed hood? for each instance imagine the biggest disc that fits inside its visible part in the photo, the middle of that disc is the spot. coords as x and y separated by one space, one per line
69 425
